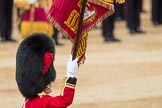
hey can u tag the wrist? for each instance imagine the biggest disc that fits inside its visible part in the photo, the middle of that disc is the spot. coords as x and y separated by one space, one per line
71 80
69 74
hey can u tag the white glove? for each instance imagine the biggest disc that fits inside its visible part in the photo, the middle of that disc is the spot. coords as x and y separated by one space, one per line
72 67
32 1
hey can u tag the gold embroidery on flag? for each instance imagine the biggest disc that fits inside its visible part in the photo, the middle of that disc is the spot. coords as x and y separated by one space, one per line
72 21
80 3
82 46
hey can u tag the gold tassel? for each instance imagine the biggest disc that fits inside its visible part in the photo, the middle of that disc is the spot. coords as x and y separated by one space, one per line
120 1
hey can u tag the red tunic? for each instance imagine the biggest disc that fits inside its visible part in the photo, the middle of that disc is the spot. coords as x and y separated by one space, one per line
62 101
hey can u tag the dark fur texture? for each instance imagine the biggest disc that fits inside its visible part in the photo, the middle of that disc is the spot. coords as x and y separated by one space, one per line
29 65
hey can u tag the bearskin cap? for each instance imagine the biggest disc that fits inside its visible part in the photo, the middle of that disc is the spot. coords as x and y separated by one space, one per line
34 64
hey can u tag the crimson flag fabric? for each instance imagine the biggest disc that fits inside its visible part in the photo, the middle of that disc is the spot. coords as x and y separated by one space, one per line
65 14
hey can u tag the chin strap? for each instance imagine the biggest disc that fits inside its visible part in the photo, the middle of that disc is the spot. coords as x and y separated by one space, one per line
41 94
120 1
46 91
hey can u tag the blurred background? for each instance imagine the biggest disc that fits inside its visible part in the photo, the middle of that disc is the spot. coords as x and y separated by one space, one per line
123 66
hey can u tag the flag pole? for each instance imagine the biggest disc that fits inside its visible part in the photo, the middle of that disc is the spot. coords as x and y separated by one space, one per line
79 31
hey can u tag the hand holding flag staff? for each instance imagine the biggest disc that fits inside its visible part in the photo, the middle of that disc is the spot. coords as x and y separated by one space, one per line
75 18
